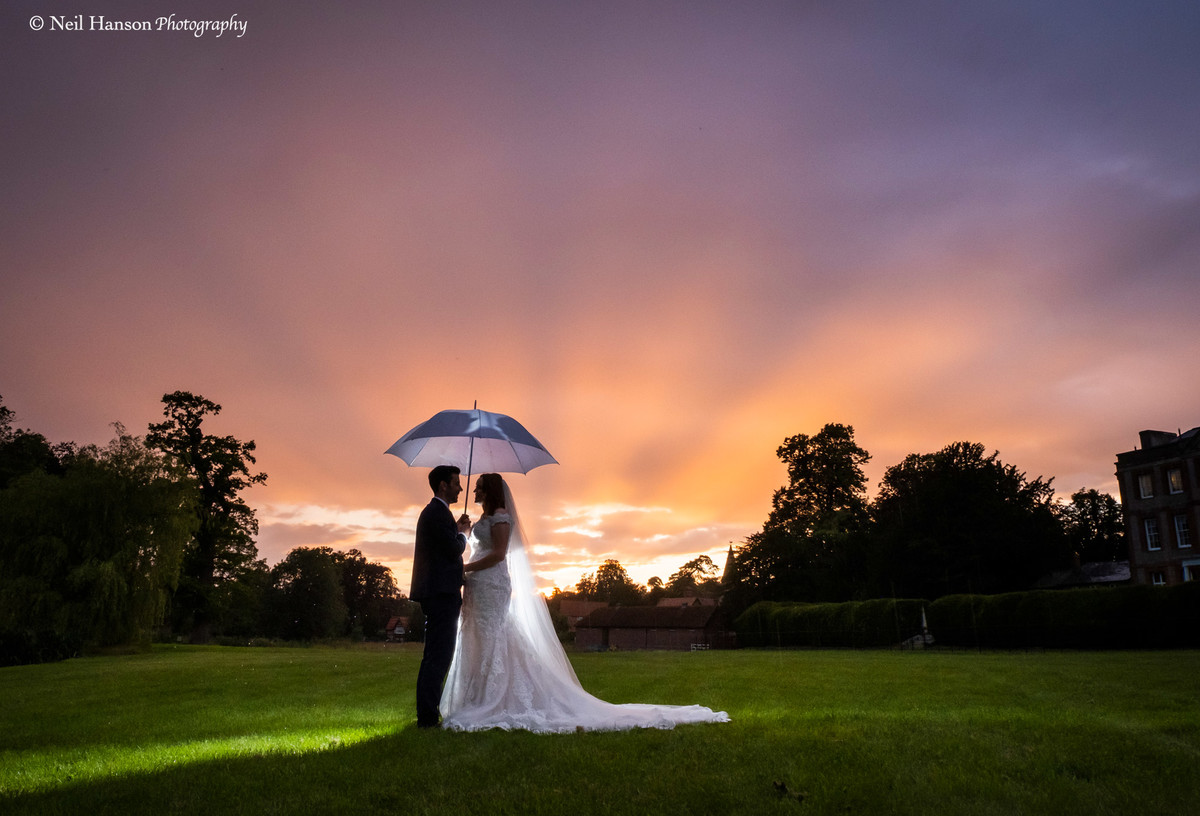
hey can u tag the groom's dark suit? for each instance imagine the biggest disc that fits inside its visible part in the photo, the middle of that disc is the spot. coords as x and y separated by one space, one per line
437 586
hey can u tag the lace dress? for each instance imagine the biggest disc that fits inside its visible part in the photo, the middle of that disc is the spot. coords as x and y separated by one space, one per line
507 673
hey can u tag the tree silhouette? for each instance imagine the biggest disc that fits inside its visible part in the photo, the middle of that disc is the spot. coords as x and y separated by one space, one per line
696 577
91 555
610 583
961 521
223 545
806 550
1095 526
23 451
307 598
370 593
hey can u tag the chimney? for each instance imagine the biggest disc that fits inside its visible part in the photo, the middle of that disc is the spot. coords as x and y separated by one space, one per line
1152 439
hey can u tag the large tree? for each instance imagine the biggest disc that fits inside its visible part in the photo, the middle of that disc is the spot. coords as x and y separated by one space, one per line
611 584
318 592
807 548
700 576
223 546
370 592
961 521
307 598
1094 526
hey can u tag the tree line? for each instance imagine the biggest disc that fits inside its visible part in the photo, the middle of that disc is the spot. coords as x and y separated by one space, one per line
611 584
955 521
151 536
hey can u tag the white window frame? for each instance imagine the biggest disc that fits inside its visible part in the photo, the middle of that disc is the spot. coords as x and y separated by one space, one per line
1146 486
1191 570
1175 480
1157 578
1183 533
1153 542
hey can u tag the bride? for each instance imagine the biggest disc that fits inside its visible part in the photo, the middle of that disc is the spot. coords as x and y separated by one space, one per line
509 670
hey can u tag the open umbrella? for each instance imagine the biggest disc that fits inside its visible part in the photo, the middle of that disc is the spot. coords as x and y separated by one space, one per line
495 442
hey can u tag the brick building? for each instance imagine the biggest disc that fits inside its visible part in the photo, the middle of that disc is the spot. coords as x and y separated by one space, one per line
1160 496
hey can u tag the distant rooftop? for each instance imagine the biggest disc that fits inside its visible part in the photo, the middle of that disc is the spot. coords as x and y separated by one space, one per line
1096 574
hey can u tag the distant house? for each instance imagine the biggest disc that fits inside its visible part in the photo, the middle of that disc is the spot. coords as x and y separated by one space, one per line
630 628
575 610
396 630
1160 496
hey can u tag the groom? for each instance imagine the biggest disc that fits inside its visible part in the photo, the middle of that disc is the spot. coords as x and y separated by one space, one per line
437 585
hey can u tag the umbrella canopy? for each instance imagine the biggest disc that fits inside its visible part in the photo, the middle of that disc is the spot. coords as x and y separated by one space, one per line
472 440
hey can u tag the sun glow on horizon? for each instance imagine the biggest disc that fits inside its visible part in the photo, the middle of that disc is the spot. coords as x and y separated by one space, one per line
561 555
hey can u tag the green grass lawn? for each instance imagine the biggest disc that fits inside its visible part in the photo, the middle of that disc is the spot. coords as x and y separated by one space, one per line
325 730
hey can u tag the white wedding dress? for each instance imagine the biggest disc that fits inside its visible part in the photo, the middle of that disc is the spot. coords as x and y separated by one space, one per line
509 669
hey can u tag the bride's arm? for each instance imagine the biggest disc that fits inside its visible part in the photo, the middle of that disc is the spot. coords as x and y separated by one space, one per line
500 533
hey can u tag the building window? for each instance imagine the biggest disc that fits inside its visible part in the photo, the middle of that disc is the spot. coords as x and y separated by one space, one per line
1151 526
1191 570
1183 534
1146 486
1157 579
1175 480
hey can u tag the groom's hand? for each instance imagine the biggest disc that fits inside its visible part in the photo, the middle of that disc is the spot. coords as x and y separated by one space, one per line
464 523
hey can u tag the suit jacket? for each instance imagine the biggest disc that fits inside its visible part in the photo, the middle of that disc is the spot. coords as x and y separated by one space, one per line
438 556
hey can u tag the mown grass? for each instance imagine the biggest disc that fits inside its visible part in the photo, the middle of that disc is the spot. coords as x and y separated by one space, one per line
323 730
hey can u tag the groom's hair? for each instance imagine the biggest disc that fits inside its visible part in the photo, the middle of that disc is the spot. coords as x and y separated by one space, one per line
442 473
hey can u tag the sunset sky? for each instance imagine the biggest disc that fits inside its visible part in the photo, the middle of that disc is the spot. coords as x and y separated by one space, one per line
662 235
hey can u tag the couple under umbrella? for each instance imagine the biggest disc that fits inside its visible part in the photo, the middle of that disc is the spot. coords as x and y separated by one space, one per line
494 644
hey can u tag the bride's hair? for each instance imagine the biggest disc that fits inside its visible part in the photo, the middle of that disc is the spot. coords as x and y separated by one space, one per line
492 485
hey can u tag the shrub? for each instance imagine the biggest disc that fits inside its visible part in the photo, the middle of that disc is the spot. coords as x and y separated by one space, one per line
22 646
880 622
1115 618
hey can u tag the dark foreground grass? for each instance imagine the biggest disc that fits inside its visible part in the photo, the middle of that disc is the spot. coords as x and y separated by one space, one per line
220 730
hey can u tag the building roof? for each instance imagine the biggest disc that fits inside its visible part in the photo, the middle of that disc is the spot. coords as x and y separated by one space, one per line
690 601
575 608
649 617
1100 573
1159 445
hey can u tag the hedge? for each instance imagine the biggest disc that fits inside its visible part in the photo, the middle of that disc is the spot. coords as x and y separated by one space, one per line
860 623
1131 617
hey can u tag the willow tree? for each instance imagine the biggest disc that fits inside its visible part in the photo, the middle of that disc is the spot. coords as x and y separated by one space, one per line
222 548
91 555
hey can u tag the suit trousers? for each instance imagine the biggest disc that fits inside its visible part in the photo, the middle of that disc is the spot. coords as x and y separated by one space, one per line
441 634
